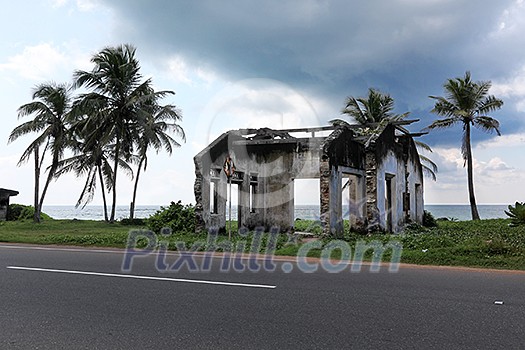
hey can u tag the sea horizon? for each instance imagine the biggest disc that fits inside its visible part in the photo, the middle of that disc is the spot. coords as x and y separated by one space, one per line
458 212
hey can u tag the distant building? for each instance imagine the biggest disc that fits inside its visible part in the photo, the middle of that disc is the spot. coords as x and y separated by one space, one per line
4 201
378 177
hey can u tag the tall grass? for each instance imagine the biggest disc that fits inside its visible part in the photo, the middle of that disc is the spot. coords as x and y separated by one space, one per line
485 243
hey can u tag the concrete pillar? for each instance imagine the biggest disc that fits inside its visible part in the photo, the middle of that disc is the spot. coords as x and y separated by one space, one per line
324 183
372 211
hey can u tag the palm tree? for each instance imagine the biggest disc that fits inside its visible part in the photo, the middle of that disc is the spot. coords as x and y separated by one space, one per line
51 106
90 158
377 108
374 108
117 94
154 126
467 102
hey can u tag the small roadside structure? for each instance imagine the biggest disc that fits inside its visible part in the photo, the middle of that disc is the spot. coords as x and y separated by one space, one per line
373 181
4 202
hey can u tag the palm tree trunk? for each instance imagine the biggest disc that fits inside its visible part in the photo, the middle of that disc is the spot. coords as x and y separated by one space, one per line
103 193
132 206
36 215
48 181
470 174
114 186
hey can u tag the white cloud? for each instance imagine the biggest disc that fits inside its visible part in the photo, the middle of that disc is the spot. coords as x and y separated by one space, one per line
504 141
511 20
255 103
178 70
206 75
59 3
87 5
40 62
81 5
512 86
495 180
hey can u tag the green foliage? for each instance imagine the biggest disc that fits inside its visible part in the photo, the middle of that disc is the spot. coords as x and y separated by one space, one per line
178 217
13 212
484 243
481 243
309 226
517 214
29 211
428 219
23 212
133 222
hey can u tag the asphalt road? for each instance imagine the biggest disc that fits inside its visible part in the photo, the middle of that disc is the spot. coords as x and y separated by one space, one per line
56 298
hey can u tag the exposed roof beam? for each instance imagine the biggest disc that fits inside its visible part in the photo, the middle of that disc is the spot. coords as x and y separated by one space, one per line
314 129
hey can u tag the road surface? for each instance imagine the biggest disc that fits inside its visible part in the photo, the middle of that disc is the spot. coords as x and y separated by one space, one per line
74 298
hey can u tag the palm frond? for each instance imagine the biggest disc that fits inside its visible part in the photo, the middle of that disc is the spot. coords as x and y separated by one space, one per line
422 145
431 165
428 172
489 104
25 128
443 123
88 192
353 108
487 124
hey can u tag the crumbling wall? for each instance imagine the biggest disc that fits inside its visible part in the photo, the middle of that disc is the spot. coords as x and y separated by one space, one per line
265 171
397 161
4 202
415 183
268 163
340 155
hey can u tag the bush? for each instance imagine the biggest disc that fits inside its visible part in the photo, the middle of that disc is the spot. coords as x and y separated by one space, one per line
517 214
428 219
13 212
133 222
23 212
178 217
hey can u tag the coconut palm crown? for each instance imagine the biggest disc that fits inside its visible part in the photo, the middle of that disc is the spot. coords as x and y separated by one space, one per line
50 107
467 103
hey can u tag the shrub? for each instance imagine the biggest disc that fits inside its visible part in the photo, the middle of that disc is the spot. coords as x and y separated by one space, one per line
133 222
23 212
428 219
178 217
13 212
517 214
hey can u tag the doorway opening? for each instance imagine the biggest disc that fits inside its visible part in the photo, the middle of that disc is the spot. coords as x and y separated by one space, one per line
232 208
306 204
389 200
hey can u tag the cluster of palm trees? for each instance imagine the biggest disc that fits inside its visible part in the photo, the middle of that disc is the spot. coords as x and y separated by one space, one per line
466 103
108 127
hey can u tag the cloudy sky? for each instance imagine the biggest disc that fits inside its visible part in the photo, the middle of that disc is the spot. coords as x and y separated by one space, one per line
243 63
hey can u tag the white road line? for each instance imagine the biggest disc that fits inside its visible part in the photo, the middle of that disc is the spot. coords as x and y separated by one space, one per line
89 273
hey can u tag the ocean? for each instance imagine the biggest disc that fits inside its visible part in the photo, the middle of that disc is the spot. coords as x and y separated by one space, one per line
305 212
96 212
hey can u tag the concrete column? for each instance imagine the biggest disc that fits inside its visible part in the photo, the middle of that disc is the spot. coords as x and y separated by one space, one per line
372 211
324 183
336 211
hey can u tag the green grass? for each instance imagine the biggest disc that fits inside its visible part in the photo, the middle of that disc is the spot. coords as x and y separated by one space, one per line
485 243
66 232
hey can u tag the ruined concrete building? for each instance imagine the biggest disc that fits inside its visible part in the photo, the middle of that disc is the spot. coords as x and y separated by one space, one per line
377 177
4 201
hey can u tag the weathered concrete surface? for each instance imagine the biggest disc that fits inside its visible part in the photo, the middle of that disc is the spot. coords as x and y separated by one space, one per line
4 201
268 161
